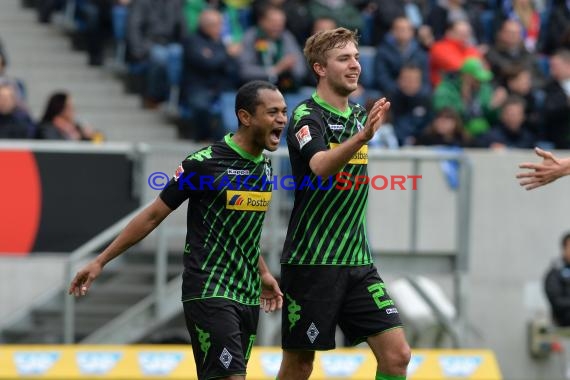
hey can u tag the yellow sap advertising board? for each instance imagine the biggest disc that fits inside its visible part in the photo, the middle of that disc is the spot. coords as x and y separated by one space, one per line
177 362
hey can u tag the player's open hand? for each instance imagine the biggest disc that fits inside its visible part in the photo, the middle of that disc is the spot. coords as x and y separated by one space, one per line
84 278
376 117
271 297
540 174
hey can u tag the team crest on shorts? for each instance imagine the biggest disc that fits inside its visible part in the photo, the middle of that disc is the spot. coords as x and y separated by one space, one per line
312 332
226 358
303 136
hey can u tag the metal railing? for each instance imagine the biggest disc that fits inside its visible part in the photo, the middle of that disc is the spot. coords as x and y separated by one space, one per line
409 260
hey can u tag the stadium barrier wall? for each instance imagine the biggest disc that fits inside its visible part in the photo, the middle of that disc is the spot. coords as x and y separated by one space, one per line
177 362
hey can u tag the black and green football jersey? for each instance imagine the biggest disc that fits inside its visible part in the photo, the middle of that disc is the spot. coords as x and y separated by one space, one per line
328 221
228 194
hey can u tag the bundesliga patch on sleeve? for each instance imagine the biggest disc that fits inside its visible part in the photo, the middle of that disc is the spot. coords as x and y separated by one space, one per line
303 136
178 173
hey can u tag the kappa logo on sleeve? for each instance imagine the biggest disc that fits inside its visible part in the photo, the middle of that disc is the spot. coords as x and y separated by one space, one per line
303 136
179 171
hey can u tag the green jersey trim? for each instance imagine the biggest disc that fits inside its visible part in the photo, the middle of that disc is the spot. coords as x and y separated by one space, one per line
321 102
240 151
227 298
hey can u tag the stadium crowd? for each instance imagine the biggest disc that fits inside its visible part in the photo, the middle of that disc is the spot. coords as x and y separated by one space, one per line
481 73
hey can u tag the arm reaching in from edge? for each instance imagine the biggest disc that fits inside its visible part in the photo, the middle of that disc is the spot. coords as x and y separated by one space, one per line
549 170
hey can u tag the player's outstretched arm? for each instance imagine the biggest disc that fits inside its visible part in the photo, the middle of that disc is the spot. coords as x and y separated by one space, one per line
539 174
271 296
139 227
330 162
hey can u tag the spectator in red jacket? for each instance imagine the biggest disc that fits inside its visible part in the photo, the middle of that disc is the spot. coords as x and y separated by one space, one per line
449 53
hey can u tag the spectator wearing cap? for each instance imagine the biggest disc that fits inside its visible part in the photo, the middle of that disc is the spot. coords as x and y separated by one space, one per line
471 94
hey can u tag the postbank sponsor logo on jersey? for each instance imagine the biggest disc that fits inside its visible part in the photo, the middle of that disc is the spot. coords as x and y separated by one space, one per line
97 363
248 200
336 365
35 363
336 127
359 158
303 136
459 366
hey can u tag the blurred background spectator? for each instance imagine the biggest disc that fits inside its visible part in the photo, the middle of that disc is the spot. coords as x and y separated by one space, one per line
509 51
556 26
196 64
15 123
446 129
448 54
518 82
209 69
471 93
156 29
299 19
410 104
17 84
399 48
270 52
59 121
556 103
343 12
511 131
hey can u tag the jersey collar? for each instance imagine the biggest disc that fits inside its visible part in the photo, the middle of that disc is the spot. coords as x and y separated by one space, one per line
346 114
240 151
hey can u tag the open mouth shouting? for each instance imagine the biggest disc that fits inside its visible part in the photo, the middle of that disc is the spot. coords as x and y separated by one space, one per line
275 135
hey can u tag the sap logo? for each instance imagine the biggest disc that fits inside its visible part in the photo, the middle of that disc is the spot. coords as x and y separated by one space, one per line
159 363
270 363
459 366
97 363
34 363
336 365
414 364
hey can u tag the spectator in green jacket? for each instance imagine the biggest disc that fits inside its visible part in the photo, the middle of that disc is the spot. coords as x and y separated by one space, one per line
470 93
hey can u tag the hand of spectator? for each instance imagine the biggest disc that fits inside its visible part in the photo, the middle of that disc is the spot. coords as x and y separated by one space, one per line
425 35
483 49
286 63
234 49
499 96
549 170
